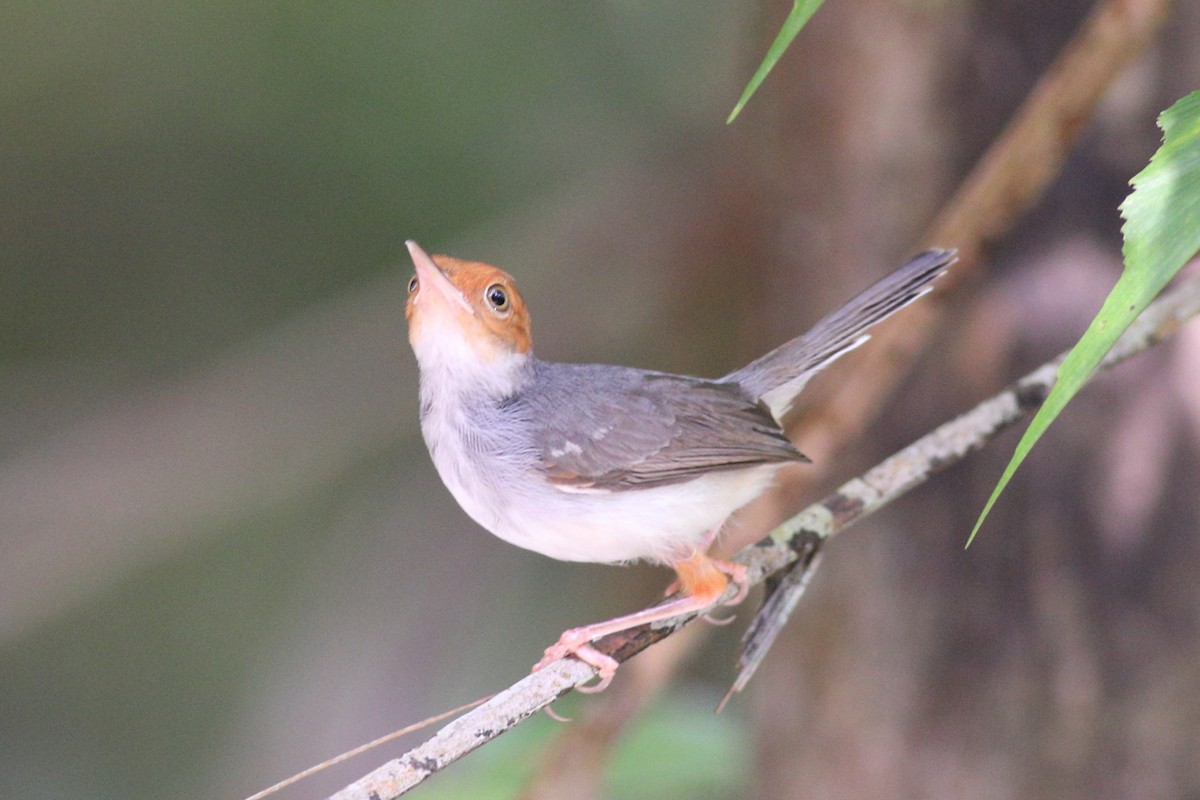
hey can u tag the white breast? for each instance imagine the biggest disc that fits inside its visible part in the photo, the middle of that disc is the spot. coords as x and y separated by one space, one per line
494 477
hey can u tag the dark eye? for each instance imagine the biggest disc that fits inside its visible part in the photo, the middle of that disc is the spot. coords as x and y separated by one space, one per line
412 284
497 297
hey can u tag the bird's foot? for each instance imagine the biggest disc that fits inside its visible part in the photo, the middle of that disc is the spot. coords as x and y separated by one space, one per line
739 576
702 583
578 642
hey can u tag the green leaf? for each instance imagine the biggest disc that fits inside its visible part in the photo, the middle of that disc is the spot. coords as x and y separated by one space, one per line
801 11
1162 232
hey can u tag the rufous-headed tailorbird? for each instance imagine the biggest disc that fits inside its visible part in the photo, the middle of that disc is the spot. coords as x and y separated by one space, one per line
589 462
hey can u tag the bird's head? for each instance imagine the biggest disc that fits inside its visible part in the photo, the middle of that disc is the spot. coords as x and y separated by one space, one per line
465 316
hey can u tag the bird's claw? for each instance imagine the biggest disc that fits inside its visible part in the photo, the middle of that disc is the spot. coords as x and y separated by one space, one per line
574 643
739 576
719 622
554 715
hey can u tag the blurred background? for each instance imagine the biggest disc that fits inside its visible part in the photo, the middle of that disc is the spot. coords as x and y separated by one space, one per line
225 556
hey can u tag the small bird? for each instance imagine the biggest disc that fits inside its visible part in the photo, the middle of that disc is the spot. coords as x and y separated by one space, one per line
609 464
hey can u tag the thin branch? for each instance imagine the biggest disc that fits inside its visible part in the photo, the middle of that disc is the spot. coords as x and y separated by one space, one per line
572 764
362 748
797 539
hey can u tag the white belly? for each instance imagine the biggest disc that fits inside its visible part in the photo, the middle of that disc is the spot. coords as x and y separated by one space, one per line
662 524
511 499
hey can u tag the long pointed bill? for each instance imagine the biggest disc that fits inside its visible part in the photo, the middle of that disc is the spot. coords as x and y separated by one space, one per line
432 277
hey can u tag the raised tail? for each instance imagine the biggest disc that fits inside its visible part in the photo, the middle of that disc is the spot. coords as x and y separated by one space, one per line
778 377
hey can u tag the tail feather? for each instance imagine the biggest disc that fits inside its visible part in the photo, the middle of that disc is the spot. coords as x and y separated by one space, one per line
779 376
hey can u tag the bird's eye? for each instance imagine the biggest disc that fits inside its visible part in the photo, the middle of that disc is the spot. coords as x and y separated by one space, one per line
497 298
412 284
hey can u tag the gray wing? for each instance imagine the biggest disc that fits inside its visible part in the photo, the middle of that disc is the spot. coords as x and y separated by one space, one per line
781 374
645 429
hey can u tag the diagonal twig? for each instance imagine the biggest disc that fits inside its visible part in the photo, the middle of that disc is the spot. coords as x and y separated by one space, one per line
798 539
916 463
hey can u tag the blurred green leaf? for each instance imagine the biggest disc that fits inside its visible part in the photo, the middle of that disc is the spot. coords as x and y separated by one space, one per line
801 11
1162 232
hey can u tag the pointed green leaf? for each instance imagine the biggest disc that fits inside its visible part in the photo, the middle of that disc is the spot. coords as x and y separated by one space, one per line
801 11
1162 232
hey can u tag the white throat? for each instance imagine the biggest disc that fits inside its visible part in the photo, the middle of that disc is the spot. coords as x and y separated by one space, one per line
462 390
454 367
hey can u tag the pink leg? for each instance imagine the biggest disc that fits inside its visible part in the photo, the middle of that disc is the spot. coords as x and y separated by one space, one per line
702 581
577 641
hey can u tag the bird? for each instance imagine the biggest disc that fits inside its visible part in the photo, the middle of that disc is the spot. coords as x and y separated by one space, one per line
612 464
